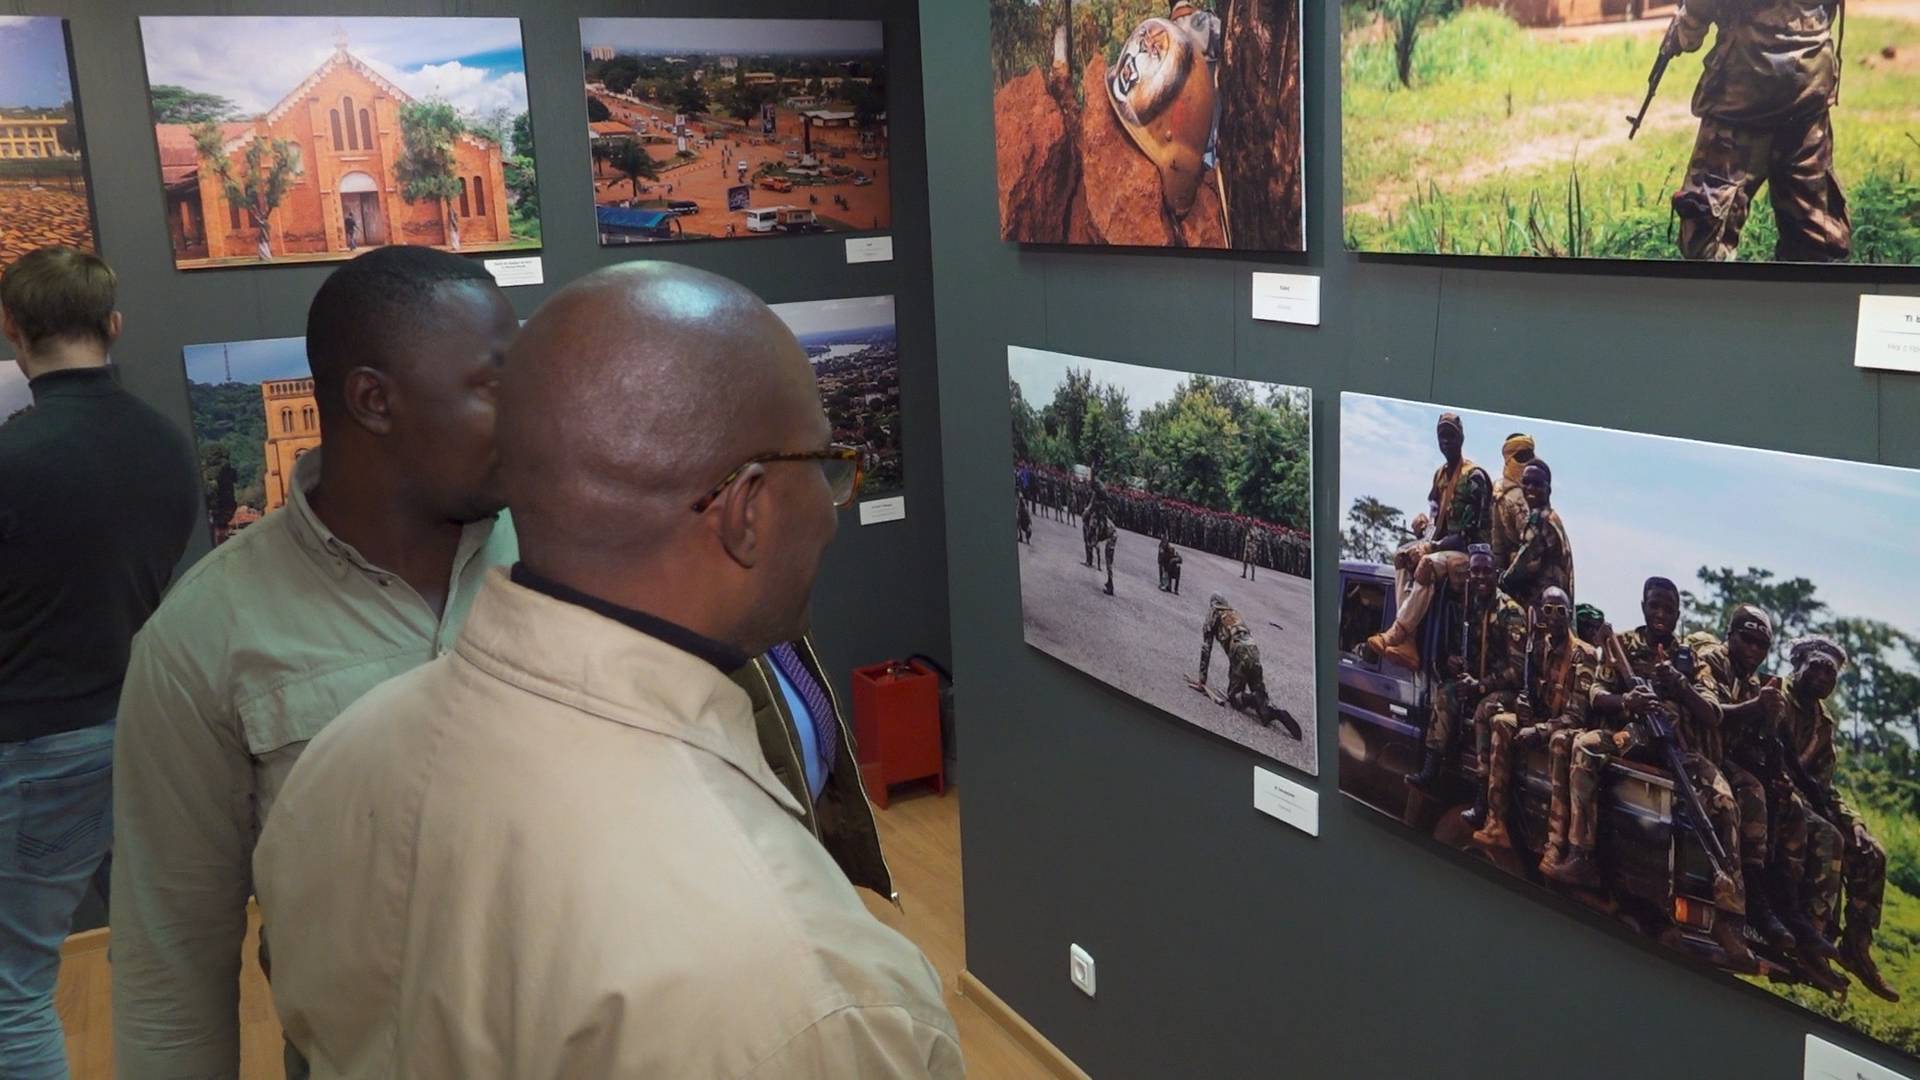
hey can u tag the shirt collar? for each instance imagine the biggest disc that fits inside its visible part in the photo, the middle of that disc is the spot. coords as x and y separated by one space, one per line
313 534
721 655
74 382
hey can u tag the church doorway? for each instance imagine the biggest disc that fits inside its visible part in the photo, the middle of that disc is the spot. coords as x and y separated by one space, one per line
360 210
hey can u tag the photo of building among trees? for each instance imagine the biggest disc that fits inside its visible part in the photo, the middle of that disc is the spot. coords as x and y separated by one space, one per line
254 416
856 360
44 197
1164 528
1148 123
360 132
730 128
1673 681
1632 130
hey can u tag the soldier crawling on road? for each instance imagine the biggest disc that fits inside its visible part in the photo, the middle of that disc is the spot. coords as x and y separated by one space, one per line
1246 681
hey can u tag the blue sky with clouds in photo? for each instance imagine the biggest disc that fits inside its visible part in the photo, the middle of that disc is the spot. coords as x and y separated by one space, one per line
33 62
251 361
475 64
1640 505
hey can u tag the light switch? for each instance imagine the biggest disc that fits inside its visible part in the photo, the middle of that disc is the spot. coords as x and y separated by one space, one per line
1080 968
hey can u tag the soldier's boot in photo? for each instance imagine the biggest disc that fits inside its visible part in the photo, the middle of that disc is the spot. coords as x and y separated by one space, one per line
1729 934
1577 868
1807 939
1430 764
1395 645
1476 815
1284 719
1760 911
1856 955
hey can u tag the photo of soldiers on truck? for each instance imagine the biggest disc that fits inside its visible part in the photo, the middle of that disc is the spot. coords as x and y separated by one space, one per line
1711 734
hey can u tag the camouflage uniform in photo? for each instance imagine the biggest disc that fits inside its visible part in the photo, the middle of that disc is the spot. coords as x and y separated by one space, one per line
1557 699
1492 653
1739 758
1862 861
1595 748
1764 103
1246 681
1543 559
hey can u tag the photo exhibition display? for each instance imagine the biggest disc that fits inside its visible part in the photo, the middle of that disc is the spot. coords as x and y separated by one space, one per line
1148 124
733 128
361 132
1758 130
1671 681
1164 528
43 167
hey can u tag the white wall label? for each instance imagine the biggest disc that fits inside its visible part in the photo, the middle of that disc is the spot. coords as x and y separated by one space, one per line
869 249
1292 298
1889 333
1826 1061
1296 804
879 510
525 270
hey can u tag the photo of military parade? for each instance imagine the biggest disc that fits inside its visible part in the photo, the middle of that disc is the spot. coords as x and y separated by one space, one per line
1708 734
1149 123
856 360
1759 130
1162 517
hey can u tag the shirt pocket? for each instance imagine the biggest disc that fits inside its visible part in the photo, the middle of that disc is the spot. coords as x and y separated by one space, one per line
294 712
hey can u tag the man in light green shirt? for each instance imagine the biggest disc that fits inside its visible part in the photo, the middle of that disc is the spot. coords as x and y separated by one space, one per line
367 572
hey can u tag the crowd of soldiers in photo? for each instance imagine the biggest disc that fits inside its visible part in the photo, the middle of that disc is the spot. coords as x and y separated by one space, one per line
1102 510
1751 755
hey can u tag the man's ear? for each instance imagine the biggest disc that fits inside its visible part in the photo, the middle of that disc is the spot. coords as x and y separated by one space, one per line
11 331
114 325
369 402
743 516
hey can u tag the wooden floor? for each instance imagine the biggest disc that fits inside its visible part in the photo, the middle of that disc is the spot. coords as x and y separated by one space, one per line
921 834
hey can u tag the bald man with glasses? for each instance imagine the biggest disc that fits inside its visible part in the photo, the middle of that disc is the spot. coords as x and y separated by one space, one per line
560 850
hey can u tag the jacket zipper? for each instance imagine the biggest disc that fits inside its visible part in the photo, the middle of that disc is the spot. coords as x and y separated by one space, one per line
846 740
793 752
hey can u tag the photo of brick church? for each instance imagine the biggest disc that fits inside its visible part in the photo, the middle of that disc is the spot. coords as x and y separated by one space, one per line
362 132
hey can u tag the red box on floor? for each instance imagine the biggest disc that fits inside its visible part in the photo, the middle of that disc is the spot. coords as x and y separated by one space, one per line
896 720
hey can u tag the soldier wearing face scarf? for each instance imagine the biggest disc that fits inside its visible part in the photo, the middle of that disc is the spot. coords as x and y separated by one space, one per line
1509 502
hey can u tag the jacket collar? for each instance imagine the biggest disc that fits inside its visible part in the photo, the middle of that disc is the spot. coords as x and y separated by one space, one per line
719 654
594 664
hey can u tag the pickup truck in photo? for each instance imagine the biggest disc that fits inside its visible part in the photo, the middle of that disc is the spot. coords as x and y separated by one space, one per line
1657 876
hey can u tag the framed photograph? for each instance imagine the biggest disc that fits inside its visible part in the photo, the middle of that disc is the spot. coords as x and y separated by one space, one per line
360 132
856 359
1164 522
44 197
254 415
1632 129
1672 682
736 128
1147 123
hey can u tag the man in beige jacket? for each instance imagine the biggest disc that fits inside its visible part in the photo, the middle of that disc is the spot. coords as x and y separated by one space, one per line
559 851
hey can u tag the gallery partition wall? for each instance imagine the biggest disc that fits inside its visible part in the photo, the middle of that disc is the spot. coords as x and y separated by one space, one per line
1227 943
883 591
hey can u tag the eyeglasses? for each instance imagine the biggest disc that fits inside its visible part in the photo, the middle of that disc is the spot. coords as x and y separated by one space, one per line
840 463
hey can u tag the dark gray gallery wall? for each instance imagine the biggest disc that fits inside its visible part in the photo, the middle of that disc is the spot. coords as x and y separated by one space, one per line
1228 944
882 593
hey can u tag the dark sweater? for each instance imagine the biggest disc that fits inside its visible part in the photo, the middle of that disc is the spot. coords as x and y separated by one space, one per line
97 500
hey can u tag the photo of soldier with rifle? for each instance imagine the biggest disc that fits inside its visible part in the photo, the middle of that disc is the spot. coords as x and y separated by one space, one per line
1556 130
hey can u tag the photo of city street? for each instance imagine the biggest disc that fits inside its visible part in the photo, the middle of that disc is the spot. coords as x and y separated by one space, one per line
727 128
